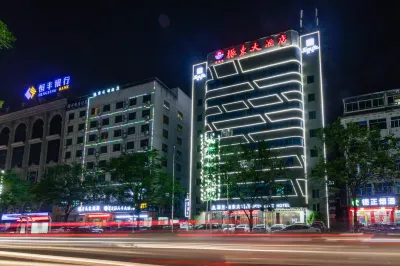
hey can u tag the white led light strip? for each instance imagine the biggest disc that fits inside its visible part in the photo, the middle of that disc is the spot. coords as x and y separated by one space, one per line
212 107
276 84
284 111
224 95
298 183
274 130
237 119
267 104
227 104
291 100
242 135
220 77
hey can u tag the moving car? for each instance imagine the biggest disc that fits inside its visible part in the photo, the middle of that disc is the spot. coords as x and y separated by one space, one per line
228 228
300 228
379 229
277 227
319 224
261 228
87 229
242 228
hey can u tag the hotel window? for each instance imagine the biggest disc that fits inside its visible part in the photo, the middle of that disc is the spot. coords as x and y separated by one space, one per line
67 155
164 147
71 116
70 129
310 79
132 116
313 133
180 128
82 113
103 149
311 97
81 127
377 102
178 155
79 140
132 102
144 143
378 123
90 165
178 167
92 137
130 145
313 152
95 111
118 119
93 124
316 207
395 121
107 108
146 113
165 133
166 105
105 122
91 151
78 153
145 128
116 147
147 98
199 102
117 133
180 115
199 118
69 142
179 141
165 119
131 130
119 105
104 135
351 107
312 115
315 193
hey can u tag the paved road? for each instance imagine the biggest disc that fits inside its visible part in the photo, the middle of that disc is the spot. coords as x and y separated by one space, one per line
195 250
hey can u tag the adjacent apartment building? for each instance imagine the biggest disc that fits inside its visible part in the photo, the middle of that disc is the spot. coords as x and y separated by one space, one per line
269 90
378 202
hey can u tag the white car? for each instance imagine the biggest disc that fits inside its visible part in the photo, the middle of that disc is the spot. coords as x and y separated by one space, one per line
300 228
228 228
277 227
261 228
242 228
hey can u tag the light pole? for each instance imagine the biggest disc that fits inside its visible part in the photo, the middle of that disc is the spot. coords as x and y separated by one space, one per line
173 190
1 181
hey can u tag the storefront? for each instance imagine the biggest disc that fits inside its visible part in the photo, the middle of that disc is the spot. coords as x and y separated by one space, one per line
375 210
116 215
276 213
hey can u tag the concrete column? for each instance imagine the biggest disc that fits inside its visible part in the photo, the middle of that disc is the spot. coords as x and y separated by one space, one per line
25 159
42 162
9 148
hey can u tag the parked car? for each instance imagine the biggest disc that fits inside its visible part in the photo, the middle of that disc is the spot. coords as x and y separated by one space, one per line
277 227
228 228
261 228
379 229
213 227
86 229
242 228
61 229
320 225
300 228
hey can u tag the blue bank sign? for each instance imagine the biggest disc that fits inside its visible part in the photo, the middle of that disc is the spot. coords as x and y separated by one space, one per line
48 88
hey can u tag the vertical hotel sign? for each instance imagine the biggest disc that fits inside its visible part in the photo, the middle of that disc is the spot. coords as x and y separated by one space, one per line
48 88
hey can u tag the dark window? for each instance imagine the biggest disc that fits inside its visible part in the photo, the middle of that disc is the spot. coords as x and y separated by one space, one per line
78 153
198 165
103 149
82 113
198 148
146 113
198 133
178 141
166 105
313 133
316 207
92 137
164 163
178 167
132 102
199 118
91 151
130 145
104 135
118 119
94 111
395 121
312 115
119 105
146 98
81 127
102 163
178 155
378 123
131 130
79 140
377 102
180 128
144 128
144 143
117 147
164 147
132 116
311 97
313 152
315 193
93 124
105 122
67 155
165 119
70 129
68 142
107 108
310 79
90 165
71 116
199 102
180 115
165 133
117 133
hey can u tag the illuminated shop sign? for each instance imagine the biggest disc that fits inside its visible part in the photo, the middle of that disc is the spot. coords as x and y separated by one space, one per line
15 216
310 47
234 207
249 48
375 202
187 207
105 208
48 88
199 73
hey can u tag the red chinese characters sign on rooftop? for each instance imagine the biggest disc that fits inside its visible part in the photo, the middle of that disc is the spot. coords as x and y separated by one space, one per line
249 48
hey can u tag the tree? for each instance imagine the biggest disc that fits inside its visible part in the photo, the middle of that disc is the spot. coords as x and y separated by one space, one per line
357 156
250 176
14 191
6 37
61 185
142 179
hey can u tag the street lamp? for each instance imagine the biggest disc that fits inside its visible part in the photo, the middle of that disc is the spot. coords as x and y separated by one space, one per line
1 181
173 190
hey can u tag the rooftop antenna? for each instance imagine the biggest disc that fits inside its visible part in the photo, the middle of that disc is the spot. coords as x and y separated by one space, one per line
316 17
301 20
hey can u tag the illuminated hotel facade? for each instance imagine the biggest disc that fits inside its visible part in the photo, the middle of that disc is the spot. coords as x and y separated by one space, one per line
267 90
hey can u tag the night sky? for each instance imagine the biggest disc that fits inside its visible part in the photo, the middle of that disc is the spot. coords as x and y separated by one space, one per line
106 44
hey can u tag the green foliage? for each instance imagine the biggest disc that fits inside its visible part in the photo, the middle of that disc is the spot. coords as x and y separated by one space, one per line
357 156
6 37
61 186
249 174
16 191
314 216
